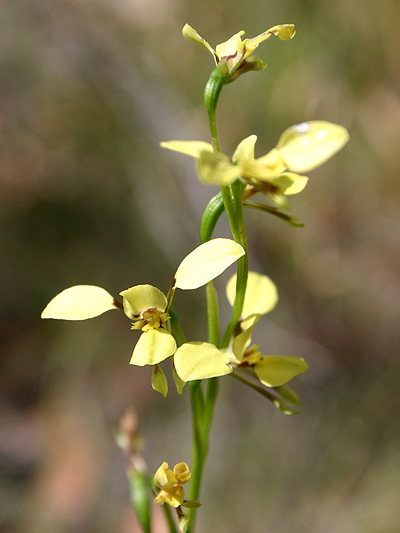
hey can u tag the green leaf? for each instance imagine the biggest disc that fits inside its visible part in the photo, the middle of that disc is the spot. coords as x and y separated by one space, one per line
207 262
138 488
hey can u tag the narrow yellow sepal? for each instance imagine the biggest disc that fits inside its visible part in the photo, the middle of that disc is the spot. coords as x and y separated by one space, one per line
201 360
79 303
306 146
242 341
206 262
191 148
191 34
261 294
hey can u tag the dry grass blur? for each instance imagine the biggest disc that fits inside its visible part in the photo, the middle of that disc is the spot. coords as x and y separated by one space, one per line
87 91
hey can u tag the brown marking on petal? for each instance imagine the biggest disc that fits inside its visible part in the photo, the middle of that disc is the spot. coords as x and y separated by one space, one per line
118 304
173 283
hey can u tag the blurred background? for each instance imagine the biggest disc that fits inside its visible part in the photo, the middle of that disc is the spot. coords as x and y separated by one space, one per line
88 89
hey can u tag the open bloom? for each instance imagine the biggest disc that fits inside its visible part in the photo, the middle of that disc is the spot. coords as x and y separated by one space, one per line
271 370
147 306
301 148
235 52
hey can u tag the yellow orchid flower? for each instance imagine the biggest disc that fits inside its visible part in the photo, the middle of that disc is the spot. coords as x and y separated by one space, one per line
171 491
147 307
271 370
301 148
235 52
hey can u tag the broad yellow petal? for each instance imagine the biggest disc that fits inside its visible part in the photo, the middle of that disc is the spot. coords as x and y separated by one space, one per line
192 148
79 303
306 146
191 34
206 262
261 294
245 149
276 370
216 169
142 297
153 346
201 360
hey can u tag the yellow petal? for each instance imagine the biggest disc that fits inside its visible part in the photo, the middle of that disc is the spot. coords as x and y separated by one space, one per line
164 477
232 50
283 31
173 496
308 145
216 169
79 303
191 34
192 148
142 297
182 473
201 360
276 370
206 262
261 294
290 183
241 341
153 346
245 149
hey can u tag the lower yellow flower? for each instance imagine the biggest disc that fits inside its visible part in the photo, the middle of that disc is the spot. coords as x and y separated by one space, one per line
170 482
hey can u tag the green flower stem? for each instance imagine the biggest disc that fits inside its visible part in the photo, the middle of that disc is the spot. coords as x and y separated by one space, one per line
176 326
243 266
169 519
212 314
212 91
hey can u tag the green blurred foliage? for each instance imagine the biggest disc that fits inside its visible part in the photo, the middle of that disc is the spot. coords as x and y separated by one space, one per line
87 91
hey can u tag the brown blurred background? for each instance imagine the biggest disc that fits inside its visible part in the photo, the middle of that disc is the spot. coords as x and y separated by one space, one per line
88 89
